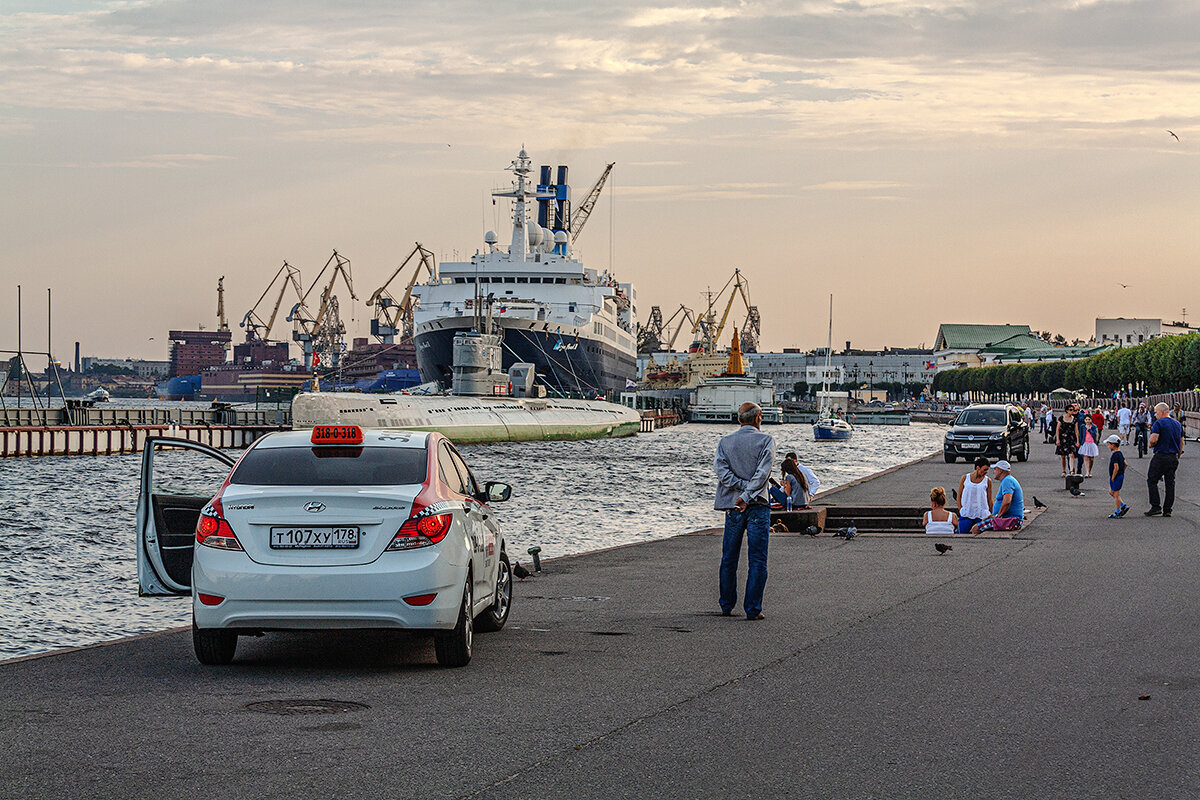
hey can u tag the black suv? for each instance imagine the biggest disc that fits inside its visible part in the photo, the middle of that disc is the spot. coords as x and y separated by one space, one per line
998 431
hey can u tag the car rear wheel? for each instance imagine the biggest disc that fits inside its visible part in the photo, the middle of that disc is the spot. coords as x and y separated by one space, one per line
454 647
213 647
494 618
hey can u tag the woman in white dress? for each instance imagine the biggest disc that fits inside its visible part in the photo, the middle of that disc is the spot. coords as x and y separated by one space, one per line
937 520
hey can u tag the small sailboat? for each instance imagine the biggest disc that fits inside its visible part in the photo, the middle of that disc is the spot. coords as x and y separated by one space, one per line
829 427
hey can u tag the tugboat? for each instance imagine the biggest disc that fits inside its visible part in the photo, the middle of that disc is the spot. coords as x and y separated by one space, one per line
576 325
829 427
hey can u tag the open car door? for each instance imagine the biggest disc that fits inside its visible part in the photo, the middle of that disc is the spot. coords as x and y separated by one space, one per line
175 486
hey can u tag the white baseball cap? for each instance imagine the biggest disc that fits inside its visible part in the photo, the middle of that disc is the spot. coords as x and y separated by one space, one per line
1114 439
1004 465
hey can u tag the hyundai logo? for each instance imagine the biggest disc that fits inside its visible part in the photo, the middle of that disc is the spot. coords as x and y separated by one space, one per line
314 507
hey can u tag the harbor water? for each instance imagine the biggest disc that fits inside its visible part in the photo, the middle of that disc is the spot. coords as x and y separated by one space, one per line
67 563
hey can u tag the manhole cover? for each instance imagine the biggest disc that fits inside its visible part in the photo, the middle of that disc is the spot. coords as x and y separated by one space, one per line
295 707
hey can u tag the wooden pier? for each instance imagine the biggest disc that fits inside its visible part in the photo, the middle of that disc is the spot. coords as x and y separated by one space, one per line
653 420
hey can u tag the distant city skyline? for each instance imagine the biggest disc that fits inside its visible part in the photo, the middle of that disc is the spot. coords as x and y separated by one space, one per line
925 162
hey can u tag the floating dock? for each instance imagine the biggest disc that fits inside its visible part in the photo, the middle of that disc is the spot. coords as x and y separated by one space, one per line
854 417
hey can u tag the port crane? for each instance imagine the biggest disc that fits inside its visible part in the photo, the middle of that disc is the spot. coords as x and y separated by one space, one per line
223 324
580 217
657 335
392 316
706 332
259 329
320 334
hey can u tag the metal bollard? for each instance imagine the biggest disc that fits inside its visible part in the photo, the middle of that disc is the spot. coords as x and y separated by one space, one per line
537 562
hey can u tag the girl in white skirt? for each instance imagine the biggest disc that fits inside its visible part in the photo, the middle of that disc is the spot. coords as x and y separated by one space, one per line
1089 449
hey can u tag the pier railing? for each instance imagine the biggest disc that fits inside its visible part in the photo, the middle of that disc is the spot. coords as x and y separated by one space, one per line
93 416
1189 402
101 440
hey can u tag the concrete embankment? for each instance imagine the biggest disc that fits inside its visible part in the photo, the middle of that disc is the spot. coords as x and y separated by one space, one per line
1006 668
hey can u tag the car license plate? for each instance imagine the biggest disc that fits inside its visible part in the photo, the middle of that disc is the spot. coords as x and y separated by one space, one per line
313 538
970 445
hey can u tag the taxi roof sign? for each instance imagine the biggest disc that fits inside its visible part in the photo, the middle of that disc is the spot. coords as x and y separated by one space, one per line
337 434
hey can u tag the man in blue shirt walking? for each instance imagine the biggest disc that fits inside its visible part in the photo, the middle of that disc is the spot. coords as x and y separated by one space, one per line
743 466
1166 437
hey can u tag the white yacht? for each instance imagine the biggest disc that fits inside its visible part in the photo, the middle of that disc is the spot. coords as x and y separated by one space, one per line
576 325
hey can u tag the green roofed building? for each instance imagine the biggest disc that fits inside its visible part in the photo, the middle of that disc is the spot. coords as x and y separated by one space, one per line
977 345
960 345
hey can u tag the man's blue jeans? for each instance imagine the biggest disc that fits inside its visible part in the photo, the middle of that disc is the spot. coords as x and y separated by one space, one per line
755 523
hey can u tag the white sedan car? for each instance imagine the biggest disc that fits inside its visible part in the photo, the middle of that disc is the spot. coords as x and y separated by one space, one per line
329 528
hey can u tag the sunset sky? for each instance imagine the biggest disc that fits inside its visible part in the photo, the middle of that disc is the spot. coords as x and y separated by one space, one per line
925 161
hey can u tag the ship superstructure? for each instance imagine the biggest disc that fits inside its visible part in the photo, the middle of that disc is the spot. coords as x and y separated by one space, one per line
576 325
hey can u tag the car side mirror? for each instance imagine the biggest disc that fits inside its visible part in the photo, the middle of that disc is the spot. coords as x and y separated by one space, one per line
497 492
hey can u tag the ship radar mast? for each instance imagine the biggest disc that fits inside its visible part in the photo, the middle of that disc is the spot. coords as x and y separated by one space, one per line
522 168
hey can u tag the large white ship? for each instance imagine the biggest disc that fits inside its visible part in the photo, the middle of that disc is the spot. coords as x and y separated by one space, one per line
576 325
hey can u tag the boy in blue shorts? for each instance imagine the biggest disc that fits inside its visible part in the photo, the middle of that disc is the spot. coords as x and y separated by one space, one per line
1116 475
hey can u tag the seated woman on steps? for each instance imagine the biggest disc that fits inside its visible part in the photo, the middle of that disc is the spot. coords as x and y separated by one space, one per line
937 519
795 486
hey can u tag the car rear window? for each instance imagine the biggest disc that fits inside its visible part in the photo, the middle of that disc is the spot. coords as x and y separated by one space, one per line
981 416
331 466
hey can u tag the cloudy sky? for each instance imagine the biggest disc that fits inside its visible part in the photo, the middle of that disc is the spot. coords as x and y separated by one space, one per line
924 160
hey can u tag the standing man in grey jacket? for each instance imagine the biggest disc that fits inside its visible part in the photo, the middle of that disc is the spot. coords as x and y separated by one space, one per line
743 467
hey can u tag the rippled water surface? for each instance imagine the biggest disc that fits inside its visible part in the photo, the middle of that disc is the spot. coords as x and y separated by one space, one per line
68 570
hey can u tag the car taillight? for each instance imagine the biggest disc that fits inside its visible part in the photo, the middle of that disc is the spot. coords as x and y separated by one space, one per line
213 531
422 530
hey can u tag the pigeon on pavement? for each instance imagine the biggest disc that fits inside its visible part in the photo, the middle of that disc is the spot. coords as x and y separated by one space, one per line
942 548
520 571
1037 503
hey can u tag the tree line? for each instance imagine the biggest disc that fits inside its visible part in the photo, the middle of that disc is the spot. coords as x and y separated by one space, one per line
1165 364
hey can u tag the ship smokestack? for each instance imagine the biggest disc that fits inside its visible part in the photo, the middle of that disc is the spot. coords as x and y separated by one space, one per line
544 205
562 203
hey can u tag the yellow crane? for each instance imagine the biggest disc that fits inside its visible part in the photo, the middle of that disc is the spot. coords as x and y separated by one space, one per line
392 317
259 329
707 331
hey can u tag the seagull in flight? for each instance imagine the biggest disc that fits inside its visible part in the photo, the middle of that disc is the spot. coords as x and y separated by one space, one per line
1173 134
1123 285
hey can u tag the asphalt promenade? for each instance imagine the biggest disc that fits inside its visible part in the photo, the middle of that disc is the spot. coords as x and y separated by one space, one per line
1006 668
